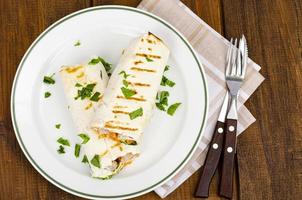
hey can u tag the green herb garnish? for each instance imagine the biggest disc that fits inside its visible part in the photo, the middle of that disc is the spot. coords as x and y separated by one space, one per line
163 97
127 92
95 161
85 92
167 67
149 60
125 83
85 159
63 141
58 126
77 149
78 43
160 106
95 96
124 74
47 94
78 85
84 137
136 113
49 79
171 110
61 150
166 82
97 60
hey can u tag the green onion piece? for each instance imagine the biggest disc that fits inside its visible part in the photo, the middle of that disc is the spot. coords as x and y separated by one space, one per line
47 94
125 75
61 150
78 85
127 92
48 80
171 110
77 149
149 60
84 137
167 67
97 60
95 161
85 159
95 96
166 82
63 141
78 43
125 83
136 113
160 106
58 126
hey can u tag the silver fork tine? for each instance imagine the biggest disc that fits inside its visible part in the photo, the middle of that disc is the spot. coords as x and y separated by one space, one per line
239 59
244 57
233 65
229 53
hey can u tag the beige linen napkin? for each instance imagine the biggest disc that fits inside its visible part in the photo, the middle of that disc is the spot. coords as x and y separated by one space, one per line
212 48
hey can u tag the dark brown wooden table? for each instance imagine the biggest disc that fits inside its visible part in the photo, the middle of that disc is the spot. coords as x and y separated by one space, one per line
269 164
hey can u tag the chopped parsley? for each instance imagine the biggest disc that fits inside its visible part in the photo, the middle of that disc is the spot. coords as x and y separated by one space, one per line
166 82
127 92
136 113
95 96
97 60
149 60
85 159
58 126
63 141
84 137
171 110
49 79
167 67
78 85
77 149
95 161
61 150
125 83
47 94
78 43
85 91
124 74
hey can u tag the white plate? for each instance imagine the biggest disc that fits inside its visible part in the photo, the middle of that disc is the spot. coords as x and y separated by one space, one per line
168 142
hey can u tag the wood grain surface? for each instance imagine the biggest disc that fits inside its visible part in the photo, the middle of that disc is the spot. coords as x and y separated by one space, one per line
269 164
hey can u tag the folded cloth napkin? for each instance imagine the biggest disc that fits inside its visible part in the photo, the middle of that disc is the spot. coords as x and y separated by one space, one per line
211 48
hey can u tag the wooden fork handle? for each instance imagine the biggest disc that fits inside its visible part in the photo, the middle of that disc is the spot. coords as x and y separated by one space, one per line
211 161
226 182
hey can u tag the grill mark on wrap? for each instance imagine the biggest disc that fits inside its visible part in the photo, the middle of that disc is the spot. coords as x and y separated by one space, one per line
138 62
148 55
138 84
111 126
72 69
131 98
143 69
120 112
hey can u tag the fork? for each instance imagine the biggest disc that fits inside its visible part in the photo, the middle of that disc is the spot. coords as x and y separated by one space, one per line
235 74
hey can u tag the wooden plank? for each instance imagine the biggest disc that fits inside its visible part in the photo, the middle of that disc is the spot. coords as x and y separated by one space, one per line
20 23
269 152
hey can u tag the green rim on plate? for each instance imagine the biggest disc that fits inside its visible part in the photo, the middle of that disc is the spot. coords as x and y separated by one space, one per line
15 125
